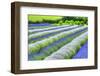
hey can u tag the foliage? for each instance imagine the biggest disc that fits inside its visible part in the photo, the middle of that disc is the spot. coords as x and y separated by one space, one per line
58 20
41 18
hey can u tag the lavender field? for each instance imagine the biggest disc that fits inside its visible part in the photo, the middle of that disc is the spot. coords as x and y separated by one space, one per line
55 38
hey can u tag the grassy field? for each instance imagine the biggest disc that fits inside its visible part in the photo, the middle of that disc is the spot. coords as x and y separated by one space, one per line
58 20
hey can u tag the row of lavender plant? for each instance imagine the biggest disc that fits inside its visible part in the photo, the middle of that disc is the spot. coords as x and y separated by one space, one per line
46 51
70 49
46 29
46 34
35 47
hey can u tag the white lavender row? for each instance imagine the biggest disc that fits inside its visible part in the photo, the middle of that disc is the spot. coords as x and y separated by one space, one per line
35 47
49 28
70 49
49 31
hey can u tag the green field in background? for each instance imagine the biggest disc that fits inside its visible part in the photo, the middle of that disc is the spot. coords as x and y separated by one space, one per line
58 20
